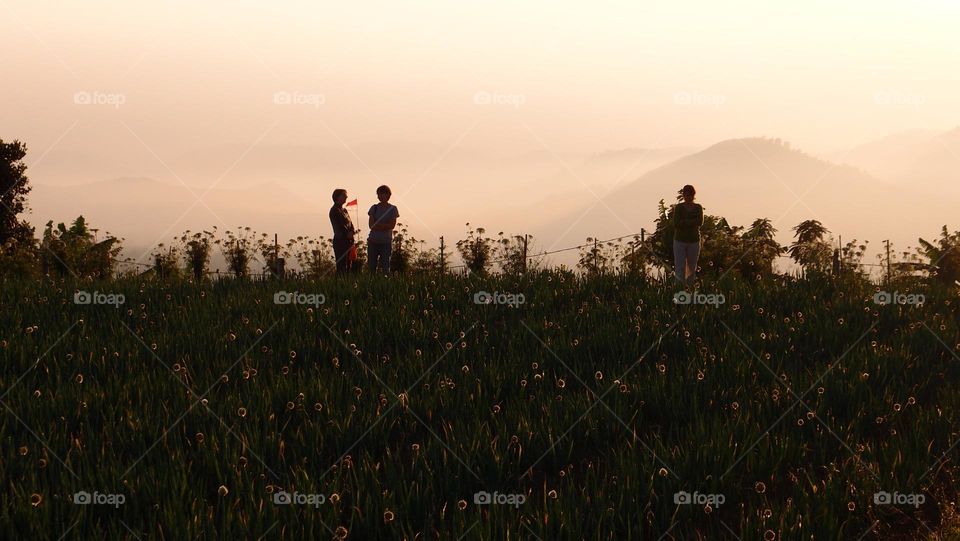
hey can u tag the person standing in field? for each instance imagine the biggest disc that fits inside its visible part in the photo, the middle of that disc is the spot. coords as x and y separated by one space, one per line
343 232
687 220
383 218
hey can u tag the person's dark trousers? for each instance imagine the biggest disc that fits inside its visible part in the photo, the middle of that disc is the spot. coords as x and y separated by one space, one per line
341 251
378 256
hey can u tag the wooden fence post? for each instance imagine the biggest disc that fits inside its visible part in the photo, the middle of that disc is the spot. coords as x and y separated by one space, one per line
442 257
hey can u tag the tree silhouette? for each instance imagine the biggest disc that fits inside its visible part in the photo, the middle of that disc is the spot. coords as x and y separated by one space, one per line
238 249
763 250
14 187
315 256
851 256
810 250
74 251
597 257
476 250
511 253
943 255
18 248
638 256
404 252
166 262
196 250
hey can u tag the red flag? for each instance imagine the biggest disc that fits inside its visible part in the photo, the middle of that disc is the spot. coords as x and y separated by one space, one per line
351 203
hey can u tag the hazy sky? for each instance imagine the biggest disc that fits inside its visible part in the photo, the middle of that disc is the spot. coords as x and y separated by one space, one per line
499 77
490 106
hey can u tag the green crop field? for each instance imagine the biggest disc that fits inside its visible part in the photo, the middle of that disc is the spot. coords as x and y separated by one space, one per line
400 408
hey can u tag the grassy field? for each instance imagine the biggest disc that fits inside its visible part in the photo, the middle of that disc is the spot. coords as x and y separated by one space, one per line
596 409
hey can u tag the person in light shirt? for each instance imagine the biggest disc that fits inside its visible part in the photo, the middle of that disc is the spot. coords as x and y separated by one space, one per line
383 219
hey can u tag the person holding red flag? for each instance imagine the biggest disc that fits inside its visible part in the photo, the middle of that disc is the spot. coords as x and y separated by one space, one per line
344 233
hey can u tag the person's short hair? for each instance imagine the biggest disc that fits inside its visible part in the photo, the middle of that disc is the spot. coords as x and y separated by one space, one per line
384 189
689 189
337 193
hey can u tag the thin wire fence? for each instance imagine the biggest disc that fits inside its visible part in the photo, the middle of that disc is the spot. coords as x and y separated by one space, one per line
637 236
642 236
218 273
546 253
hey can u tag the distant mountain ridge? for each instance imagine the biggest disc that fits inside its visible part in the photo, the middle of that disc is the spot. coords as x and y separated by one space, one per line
739 179
758 177
924 159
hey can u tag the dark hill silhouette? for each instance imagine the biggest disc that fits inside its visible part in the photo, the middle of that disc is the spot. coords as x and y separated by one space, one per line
744 179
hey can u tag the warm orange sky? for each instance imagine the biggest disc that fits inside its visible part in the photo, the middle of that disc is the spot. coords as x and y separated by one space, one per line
574 76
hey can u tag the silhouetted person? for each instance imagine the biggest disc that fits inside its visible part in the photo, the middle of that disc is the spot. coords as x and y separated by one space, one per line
383 218
343 232
687 220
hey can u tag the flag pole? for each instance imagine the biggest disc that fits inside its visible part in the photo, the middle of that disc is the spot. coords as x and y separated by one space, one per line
358 214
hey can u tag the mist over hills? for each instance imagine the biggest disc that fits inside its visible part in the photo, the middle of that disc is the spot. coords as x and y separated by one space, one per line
924 159
887 157
286 190
145 211
745 179
560 199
